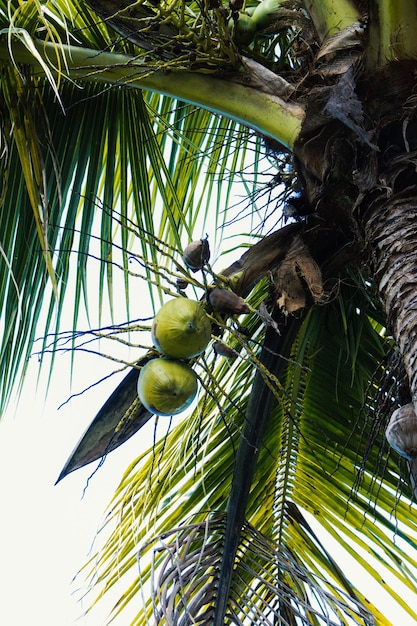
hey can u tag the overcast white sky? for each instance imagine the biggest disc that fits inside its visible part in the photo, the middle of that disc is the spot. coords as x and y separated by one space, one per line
46 531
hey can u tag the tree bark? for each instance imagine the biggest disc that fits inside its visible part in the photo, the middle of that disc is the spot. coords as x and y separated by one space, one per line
391 237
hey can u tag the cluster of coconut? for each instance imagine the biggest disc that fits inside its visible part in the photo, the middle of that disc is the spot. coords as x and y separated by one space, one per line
181 330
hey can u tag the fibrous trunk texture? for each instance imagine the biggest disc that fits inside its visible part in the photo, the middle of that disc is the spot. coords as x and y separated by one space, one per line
391 234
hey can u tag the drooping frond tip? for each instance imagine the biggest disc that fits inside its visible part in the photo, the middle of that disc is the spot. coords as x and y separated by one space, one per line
266 587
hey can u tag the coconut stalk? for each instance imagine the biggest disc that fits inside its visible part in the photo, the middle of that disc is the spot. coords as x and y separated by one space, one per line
392 29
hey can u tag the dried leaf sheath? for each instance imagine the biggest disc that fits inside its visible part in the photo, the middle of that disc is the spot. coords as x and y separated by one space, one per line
297 278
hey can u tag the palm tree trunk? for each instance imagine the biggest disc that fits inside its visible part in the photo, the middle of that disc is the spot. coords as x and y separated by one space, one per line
391 236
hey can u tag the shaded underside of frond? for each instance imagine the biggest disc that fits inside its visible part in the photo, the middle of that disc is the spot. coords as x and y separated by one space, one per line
333 459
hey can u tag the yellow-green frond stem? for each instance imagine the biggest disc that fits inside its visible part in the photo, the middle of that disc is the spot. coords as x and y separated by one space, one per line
392 30
331 16
263 112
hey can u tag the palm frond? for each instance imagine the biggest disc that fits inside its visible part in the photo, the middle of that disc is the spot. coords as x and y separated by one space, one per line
125 159
152 151
311 457
269 585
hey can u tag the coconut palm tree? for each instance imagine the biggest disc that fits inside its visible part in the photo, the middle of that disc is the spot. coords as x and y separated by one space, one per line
121 122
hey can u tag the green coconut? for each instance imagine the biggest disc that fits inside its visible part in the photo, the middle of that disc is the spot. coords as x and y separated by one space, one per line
263 14
181 329
166 387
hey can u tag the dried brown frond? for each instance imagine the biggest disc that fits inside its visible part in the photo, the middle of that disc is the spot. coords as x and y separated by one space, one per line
268 582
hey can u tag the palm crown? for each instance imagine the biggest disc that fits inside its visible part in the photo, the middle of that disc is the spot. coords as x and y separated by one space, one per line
125 127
